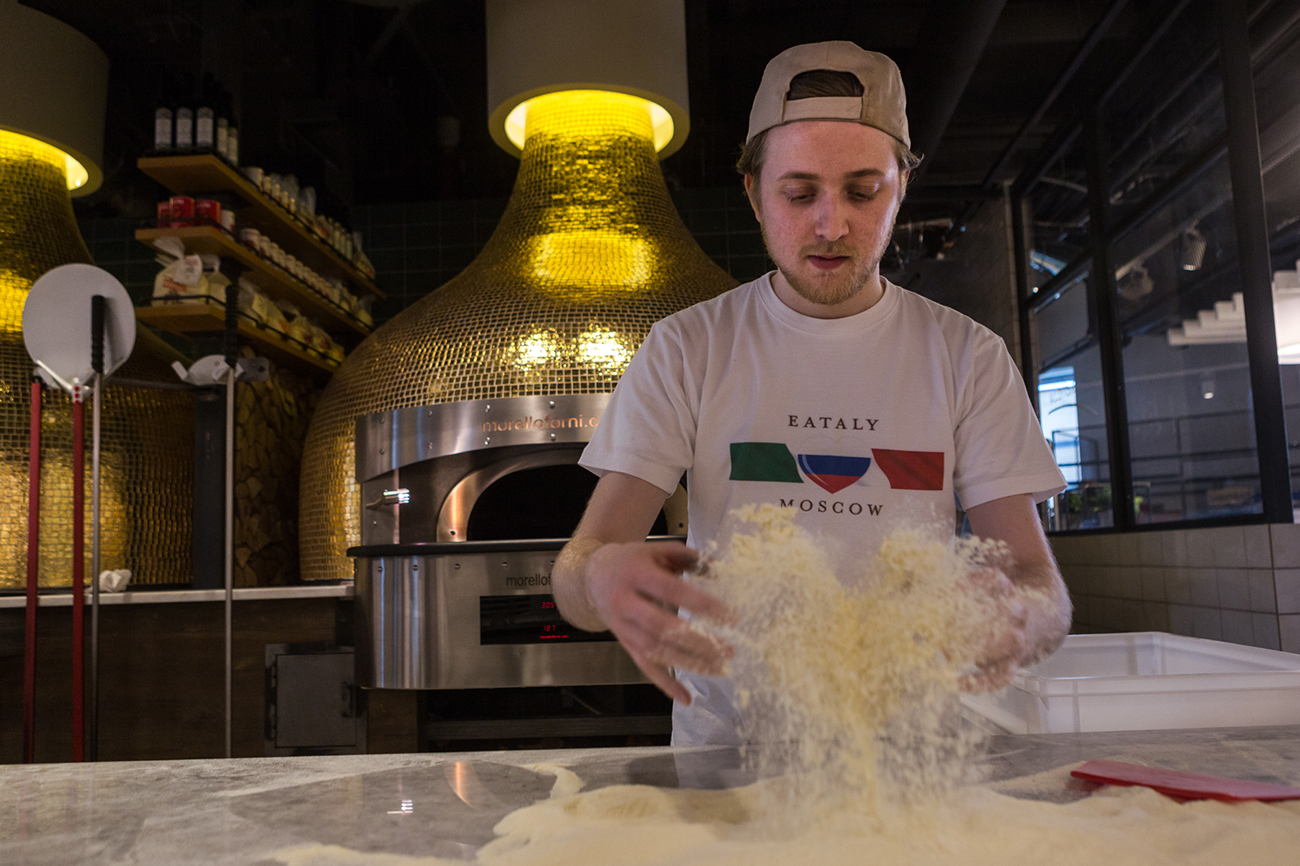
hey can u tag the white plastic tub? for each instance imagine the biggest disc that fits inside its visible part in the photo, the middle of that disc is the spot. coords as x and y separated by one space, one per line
1146 681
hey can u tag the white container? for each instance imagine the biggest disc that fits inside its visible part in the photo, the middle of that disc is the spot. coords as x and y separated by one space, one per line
1143 681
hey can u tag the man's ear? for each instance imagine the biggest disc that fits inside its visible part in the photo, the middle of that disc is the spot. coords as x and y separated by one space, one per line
751 192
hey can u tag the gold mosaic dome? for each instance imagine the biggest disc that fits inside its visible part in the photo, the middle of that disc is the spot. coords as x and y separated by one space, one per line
590 253
147 447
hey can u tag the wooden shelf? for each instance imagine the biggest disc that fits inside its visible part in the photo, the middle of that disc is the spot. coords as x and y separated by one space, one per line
192 317
274 280
209 173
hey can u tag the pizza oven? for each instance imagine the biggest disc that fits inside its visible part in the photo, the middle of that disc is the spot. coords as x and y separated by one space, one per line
464 507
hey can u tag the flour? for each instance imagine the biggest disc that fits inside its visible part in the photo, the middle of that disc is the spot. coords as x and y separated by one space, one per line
847 673
636 825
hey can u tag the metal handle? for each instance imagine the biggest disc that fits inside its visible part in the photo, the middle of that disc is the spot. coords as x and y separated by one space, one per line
400 496
97 303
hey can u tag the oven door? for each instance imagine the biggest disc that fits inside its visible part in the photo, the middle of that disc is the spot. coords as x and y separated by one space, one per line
473 615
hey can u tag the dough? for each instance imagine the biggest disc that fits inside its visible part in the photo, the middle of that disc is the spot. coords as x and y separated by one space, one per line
637 825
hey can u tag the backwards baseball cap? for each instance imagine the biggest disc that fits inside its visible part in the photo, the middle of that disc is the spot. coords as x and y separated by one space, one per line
883 104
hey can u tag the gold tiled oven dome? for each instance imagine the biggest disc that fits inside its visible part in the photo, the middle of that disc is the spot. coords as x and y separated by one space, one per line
589 253
146 446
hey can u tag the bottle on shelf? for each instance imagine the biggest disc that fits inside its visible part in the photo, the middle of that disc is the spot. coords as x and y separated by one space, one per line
205 116
204 129
226 138
162 128
223 138
184 142
184 129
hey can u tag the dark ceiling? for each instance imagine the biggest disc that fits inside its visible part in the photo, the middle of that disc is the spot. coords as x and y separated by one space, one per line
347 95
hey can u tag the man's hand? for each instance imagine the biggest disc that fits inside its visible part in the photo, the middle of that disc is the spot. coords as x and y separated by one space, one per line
1032 606
608 577
636 590
1007 642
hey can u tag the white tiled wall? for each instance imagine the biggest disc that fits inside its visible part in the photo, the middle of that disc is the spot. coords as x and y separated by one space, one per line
1233 583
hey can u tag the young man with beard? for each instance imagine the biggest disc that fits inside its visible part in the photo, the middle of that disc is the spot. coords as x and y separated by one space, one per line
820 385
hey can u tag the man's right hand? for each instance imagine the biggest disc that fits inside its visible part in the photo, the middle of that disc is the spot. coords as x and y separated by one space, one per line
636 590
608 577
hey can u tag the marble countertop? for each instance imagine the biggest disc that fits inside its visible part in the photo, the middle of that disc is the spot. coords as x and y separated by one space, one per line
242 811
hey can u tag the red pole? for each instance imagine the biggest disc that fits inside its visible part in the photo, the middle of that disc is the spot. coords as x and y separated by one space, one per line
33 576
78 583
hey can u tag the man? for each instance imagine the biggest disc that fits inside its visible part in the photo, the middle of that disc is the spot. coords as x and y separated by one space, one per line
820 386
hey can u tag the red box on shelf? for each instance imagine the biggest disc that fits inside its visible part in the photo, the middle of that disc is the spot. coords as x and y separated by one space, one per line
182 211
207 209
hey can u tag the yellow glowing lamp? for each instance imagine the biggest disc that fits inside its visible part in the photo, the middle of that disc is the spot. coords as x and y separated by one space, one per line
538 48
54 94
77 173
661 122
16 143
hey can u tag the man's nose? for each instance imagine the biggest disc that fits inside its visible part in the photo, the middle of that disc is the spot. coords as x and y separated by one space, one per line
832 221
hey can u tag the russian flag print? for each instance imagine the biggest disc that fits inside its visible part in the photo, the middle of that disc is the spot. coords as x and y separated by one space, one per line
832 473
773 461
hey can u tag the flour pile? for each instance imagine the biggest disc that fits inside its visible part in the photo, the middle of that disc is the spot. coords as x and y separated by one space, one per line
638 825
849 685
847 673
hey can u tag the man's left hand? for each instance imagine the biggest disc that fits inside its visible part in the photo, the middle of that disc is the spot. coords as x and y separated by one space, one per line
1032 605
1007 641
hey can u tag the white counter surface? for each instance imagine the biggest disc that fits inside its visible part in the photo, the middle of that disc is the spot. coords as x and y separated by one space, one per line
243 811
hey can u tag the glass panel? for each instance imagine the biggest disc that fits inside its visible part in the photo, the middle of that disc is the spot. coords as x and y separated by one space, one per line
1061 324
1073 416
1277 89
1058 211
1191 430
1181 259
1167 111
1187 379
1291 398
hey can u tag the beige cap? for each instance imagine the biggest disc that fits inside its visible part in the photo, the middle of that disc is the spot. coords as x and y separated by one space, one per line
883 104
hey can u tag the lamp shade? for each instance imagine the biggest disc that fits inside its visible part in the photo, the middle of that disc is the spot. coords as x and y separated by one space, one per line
635 47
55 90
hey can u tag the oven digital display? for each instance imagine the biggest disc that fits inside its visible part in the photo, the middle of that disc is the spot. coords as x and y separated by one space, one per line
518 619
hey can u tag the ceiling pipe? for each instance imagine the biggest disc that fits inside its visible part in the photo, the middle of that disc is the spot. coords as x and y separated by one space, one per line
1271 20
957 33
1067 132
1089 44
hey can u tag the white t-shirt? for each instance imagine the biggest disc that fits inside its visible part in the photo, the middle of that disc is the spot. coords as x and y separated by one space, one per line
860 423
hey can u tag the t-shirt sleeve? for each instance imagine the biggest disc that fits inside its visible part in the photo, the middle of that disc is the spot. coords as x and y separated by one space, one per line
648 429
999 443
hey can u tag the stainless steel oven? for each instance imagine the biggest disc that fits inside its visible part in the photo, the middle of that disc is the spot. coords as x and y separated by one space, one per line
464 508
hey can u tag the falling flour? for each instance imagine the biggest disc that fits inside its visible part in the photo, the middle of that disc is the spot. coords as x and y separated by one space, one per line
846 676
847 672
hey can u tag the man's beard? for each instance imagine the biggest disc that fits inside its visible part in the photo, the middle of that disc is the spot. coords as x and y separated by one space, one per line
840 287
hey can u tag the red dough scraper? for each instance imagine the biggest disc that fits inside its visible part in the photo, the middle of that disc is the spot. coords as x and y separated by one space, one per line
1185 786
